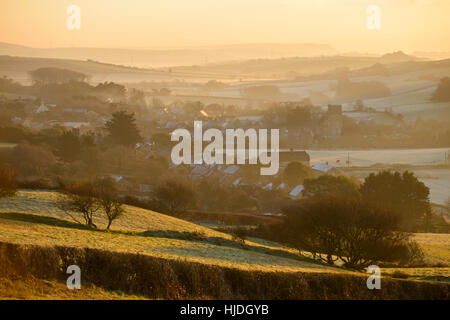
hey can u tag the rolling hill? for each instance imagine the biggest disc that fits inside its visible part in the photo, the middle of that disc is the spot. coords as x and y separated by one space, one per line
152 255
141 231
17 68
172 56
33 213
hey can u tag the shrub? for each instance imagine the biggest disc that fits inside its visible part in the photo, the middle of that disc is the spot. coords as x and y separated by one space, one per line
175 195
401 193
349 230
328 185
295 172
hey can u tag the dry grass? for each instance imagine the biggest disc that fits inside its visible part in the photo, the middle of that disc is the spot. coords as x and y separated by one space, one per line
134 219
38 289
154 234
158 278
429 274
160 228
26 233
436 248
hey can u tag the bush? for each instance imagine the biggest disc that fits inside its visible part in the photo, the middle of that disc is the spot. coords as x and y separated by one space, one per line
328 185
401 193
175 195
295 172
351 231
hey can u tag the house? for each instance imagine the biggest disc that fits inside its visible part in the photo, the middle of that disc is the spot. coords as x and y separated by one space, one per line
117 178
231 170
282 186
42 108
201 171
268 187
325 168
296 193
123 183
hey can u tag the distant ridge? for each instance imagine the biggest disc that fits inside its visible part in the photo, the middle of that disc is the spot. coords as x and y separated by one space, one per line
398 56
172 57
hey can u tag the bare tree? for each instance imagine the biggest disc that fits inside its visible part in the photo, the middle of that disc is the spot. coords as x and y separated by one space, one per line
80 198
108 199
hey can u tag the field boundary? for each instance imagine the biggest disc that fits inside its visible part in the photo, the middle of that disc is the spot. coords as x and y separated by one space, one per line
159 278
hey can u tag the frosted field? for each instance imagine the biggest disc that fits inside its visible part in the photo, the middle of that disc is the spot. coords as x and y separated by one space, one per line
366 158
134 240
438 181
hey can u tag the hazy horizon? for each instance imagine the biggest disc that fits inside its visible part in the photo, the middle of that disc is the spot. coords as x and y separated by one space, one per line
407 25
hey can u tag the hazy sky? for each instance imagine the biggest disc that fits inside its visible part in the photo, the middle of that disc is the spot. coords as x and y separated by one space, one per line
406 24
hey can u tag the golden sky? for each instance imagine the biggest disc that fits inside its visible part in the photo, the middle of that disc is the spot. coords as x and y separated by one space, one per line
407 25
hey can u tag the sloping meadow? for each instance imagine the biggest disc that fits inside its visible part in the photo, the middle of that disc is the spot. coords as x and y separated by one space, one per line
159 278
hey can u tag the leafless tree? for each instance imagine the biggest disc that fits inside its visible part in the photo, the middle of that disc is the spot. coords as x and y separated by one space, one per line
80 198
108 199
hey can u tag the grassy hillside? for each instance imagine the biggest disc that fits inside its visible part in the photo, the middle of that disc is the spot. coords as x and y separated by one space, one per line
196 250
31 223
162 235
436 247
141 231
134 219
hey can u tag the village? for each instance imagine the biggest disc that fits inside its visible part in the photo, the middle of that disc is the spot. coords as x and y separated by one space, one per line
85 111
36 116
